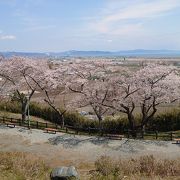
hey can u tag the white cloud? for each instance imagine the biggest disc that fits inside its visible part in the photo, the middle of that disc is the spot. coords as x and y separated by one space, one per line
143 10
119 29
109 40
120 18
128 29
7 37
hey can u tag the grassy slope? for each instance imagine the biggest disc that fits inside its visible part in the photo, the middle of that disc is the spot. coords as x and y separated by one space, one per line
145 167
18 116
22 166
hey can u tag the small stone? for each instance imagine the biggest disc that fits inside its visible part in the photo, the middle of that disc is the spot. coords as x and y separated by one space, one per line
64 173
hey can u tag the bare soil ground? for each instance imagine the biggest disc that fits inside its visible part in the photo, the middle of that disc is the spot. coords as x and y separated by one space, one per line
80 151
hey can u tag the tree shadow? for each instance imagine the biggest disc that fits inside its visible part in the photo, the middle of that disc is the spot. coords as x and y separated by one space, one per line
128 147
3 126
177 144
25 130
73 142
156 143
68 141
124 145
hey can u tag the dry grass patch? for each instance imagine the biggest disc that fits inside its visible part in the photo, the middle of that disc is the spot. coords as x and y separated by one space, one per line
146 167
22 166
19 116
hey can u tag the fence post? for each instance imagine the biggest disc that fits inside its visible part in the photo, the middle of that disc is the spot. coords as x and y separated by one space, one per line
20 122
37 124
11 120
115 131
28 125
3 120
77 130
46 125
128 133
101 129
156 134
66 129
171 136
142 134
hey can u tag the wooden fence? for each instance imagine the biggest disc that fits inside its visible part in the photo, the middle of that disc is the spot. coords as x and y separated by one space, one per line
154 135
89 130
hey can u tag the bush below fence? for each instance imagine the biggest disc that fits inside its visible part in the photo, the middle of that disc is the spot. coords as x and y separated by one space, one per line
169 121
71 118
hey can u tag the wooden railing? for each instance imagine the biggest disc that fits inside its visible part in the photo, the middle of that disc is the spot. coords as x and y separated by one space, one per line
153 135
89 130
32 124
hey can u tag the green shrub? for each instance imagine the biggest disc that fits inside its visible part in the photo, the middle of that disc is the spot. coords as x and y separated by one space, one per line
13 107
169 121
116 125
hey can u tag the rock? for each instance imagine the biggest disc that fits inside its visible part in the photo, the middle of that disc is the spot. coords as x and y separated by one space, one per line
64 173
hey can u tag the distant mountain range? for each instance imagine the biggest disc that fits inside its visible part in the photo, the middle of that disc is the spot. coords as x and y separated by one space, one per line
74 53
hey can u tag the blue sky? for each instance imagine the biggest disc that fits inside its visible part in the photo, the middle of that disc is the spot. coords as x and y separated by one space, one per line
59 25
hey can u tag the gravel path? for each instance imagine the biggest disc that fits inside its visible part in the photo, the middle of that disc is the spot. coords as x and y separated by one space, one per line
65 149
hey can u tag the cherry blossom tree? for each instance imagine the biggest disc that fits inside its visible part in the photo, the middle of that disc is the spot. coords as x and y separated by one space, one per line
18 75
51 99
56 78
2 57
102 85
147 88
158 85
122 97
89 83
92 93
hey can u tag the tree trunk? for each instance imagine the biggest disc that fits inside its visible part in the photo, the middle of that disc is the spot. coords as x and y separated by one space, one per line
132 125
99 125
60 118
62 121
24 110
148 112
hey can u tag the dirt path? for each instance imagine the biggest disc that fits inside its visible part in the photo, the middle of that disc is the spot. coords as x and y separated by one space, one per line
80 151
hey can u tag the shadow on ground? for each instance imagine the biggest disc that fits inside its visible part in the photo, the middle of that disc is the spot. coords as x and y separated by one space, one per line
125 145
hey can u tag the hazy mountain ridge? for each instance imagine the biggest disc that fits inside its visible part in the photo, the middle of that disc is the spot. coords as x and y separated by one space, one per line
75 53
